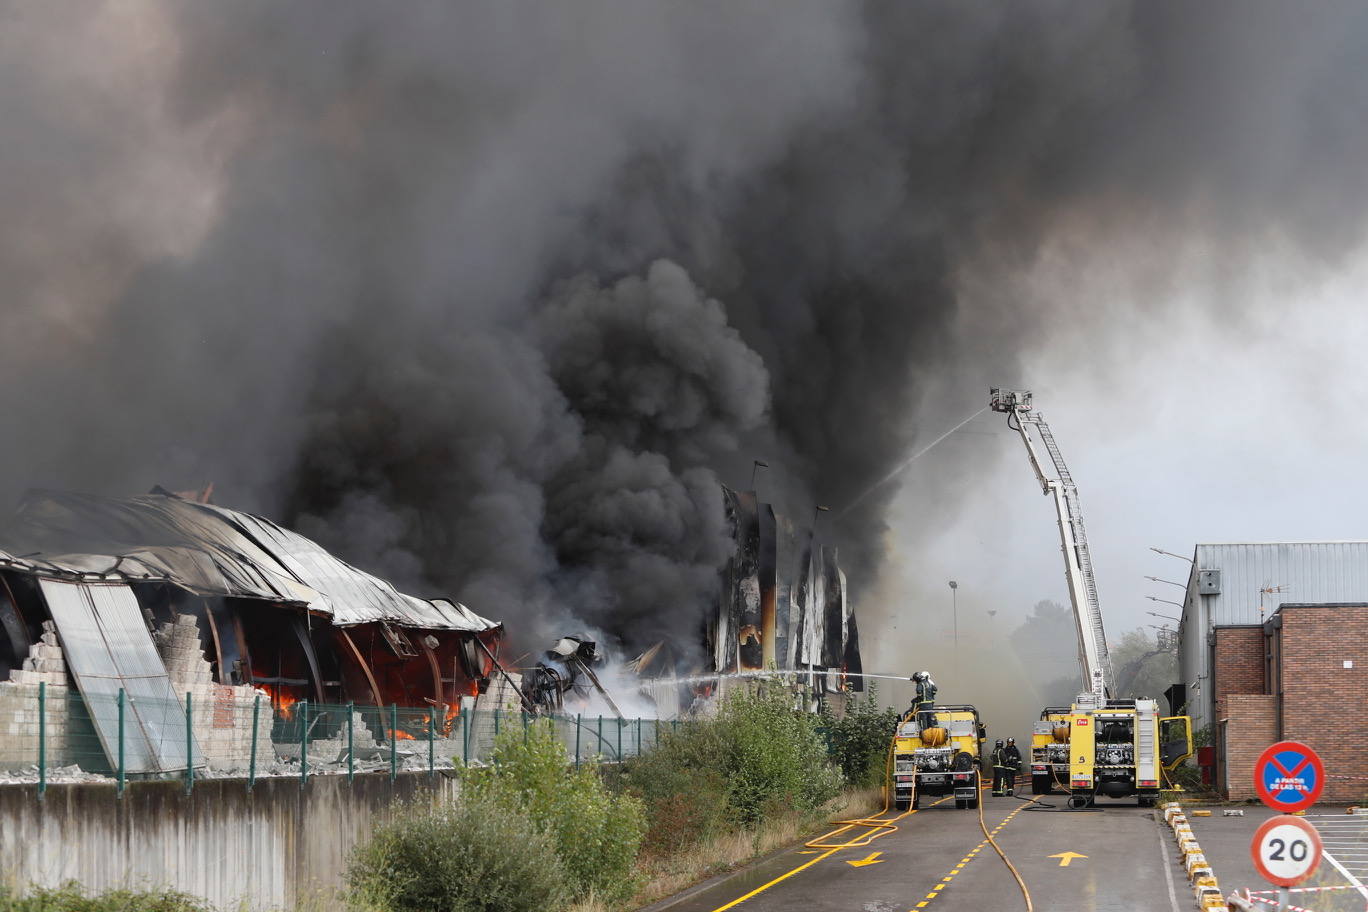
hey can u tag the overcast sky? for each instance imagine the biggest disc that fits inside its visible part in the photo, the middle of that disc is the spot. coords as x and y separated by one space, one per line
1183 419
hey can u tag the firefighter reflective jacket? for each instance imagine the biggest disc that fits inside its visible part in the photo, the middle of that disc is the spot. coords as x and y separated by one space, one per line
926 693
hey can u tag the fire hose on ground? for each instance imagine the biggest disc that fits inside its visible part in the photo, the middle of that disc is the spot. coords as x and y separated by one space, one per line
1025 893
879 827
884 827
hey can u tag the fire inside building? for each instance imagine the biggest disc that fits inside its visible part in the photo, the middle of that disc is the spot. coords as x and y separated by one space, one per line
784 602
122 594
165 594
782 607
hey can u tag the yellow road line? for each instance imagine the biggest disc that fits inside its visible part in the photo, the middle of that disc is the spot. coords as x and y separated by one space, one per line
945 881
853 844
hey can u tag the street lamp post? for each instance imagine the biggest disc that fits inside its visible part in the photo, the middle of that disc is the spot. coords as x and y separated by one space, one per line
757 465
954 607
1170 582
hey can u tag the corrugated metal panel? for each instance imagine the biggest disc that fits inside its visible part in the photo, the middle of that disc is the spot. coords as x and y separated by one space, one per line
1305 572
215 551
350 595
107 647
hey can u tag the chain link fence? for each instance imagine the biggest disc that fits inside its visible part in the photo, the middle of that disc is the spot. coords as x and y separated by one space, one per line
52 733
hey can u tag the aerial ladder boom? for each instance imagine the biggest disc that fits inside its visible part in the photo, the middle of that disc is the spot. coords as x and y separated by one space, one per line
1078 569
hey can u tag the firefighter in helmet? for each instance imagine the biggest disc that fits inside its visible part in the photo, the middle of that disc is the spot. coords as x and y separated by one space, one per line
924 700
1014 764
1002 769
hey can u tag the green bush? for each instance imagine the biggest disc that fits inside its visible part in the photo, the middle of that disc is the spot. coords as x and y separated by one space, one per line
758 756
859 740
596 833
776 758
472 856
71 898
684 785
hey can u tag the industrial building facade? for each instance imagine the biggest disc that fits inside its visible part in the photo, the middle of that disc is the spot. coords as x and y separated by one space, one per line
1273 644
158 597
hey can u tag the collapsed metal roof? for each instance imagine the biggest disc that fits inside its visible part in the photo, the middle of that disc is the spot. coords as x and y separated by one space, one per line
209 550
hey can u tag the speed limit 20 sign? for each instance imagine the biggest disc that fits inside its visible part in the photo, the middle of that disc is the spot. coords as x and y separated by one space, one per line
1286 850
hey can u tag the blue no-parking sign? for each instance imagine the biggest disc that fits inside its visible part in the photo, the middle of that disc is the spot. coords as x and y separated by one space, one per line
1289 776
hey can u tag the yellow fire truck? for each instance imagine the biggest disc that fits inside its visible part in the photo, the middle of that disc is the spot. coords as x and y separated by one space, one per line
939 759
1050 751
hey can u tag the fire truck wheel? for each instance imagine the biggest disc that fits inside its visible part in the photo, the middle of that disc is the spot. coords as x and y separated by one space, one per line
1040 785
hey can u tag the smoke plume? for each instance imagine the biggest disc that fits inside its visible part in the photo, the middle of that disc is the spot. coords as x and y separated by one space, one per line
491 298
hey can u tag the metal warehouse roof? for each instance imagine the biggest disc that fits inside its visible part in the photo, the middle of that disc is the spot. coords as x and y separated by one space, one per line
211 550
1301 572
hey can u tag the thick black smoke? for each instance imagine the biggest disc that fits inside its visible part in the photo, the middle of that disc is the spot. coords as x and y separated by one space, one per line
491 298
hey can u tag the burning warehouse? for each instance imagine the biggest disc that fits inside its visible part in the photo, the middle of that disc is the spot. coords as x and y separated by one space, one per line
127 594
783 604
161 595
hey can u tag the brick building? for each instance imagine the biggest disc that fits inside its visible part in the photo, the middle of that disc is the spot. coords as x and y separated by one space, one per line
1302 676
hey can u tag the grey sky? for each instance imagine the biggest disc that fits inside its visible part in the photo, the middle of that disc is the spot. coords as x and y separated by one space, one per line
1181 426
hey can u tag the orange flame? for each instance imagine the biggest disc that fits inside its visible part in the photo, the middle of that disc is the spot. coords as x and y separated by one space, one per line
281 699
398 735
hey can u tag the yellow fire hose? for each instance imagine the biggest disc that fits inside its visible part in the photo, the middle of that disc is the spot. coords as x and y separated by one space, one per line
878 827
1025 893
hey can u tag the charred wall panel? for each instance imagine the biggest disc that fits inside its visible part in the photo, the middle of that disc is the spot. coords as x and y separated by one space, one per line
814 615
784 585
736 627
768 573
833 610
852 666
800 594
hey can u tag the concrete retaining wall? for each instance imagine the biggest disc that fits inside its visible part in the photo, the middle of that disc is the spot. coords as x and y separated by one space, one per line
270 848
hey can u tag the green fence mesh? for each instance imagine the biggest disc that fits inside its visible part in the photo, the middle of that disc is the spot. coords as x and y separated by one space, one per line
54 733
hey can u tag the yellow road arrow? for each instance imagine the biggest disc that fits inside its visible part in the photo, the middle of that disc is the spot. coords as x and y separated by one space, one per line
1066 857
872 859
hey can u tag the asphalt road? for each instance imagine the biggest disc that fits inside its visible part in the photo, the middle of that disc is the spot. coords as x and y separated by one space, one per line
1338 886
937 860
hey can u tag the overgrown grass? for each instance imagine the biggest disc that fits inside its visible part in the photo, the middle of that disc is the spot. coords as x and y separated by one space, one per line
530 831
72 898
758 758
470 856
596 832
665 875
